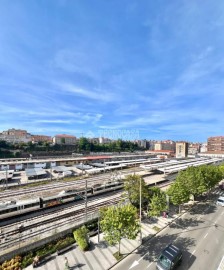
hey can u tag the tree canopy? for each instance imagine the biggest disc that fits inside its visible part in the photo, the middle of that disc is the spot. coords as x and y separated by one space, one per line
194 181
119 222
157 202
132 187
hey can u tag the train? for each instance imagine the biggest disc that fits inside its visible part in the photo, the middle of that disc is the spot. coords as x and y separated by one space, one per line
12 209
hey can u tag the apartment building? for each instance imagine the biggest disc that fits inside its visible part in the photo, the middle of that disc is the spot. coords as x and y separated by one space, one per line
103 140
41 138
15 135
215 144
193 148
165 145
64 139
204 148
181 149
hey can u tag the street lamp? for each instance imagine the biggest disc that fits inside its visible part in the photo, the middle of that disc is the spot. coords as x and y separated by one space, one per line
86 200
85 194
98 225
140 209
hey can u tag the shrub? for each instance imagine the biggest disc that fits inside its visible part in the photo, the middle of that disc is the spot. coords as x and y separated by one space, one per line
64 242
13 264
27 259
81 237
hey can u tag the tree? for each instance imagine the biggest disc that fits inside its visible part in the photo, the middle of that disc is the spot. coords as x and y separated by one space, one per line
198 180
178 193
119 222
132 187
157 202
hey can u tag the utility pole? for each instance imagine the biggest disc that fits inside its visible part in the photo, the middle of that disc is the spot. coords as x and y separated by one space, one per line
86 201
51 170
6 177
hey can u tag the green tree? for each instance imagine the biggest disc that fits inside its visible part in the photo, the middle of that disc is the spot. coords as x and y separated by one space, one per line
178 193
132 187
157 202
119 222
83 144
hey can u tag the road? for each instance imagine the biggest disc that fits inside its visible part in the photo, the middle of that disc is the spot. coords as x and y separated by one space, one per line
198 233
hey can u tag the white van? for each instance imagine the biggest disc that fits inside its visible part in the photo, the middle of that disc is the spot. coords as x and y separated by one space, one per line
220 201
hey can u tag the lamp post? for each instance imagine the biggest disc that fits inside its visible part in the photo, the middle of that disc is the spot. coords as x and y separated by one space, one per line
85 194
140 209
86 200
98 225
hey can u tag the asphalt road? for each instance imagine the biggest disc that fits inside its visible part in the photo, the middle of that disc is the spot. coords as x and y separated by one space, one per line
198 233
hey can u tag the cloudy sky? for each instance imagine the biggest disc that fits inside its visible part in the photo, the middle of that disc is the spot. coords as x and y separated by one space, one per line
147 69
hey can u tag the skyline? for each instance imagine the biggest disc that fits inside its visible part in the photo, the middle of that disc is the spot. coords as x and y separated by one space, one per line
81 67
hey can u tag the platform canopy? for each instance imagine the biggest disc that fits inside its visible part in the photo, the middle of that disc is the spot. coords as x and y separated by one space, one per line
35 172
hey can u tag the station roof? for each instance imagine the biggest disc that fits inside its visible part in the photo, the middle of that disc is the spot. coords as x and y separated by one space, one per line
35 172
168 167
97 157
83 167
101 165
61 169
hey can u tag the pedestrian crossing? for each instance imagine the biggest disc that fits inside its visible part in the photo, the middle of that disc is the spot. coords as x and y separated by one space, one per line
218 192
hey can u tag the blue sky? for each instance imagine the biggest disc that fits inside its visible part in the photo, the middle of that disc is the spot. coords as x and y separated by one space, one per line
149 69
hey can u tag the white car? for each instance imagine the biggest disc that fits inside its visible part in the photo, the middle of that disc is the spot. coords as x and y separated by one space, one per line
220 201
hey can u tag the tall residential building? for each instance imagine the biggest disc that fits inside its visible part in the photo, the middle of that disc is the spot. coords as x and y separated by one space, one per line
215 144
204 148
165 145
103 140
193 148
181 149
64 139
142 143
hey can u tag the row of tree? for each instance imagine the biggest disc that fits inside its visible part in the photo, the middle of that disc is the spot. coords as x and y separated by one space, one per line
83 145
122 221
194 182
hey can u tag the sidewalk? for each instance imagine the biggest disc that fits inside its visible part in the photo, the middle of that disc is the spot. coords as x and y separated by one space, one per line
100 256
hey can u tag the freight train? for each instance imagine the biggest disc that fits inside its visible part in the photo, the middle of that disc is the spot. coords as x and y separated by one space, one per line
15 208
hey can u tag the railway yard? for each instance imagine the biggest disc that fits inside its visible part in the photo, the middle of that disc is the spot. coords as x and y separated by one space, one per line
29 214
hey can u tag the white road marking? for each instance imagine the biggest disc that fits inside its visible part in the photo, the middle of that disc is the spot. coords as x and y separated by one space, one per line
206 235
193 253
149 265
136 262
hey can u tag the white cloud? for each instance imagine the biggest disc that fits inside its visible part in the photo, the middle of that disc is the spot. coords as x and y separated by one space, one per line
95 94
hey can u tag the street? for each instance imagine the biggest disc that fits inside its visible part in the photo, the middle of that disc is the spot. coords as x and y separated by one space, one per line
199 233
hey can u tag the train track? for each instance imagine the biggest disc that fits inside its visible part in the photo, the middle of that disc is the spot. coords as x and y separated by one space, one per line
41 227
8 194
53 221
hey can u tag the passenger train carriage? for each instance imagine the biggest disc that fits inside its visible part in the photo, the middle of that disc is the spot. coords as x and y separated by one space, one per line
15 208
